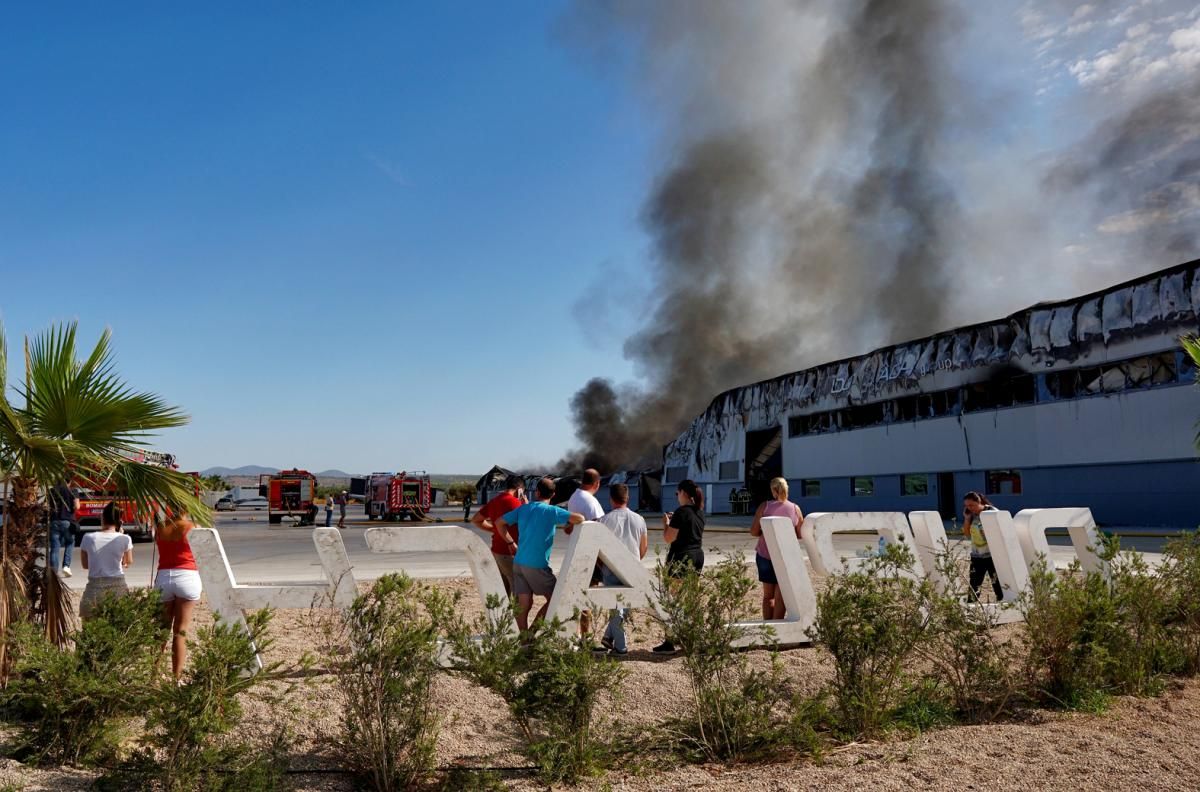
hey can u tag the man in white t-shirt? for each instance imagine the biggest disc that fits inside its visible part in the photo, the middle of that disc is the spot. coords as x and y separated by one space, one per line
630 529
583 500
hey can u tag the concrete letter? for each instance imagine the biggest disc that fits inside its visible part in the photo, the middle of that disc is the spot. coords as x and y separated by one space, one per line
229 599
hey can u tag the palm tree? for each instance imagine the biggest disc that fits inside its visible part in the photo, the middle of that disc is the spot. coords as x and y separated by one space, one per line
1191 345
79 420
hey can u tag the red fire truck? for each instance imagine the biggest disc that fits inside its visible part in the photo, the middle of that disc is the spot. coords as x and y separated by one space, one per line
94 496
396 496
289 493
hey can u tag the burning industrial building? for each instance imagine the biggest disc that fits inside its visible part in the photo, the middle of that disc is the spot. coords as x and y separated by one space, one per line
840 176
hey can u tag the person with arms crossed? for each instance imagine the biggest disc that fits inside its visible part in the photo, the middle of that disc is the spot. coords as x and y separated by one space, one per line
485 520
773 606
583 501
538 522
630 529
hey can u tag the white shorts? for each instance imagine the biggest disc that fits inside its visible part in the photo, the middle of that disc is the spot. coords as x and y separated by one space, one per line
175 584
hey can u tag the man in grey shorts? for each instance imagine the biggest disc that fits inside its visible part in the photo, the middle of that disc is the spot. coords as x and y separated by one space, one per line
537 522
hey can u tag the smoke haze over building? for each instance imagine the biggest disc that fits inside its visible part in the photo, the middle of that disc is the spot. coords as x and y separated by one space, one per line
836 177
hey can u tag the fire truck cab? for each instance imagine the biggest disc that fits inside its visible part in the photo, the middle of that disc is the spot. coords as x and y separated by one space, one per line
93 497
289 493
397 496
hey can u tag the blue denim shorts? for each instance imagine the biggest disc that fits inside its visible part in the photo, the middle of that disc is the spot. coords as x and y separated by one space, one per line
766 571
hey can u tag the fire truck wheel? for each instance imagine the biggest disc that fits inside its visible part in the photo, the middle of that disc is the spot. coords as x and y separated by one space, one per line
274 519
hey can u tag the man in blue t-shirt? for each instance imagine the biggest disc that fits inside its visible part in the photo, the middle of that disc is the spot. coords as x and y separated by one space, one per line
537 523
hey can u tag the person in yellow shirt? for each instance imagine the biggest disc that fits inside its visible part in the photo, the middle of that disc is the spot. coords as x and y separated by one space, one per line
975 504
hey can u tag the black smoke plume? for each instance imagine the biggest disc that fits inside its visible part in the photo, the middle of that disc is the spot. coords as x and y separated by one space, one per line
805 212
773 238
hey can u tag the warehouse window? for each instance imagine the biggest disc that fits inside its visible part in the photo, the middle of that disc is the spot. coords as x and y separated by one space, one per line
810 488
1143 372
674 475
1187 369
1003 482
862 486
797 426
914 484
729 470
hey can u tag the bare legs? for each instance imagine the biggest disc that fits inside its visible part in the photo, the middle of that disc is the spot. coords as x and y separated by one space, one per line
773 606
177 614
524 605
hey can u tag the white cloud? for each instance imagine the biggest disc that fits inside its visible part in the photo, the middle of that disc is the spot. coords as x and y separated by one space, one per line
1141 58
1083 11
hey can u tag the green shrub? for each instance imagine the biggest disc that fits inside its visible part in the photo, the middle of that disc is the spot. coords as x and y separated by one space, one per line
188 742
383 654
550 683
970 665
1071 626
1180 573
1145 650
1091 635
736 709
870 621
71 704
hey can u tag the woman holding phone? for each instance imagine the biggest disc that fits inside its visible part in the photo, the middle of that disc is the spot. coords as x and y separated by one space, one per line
982 564
105 554
683 530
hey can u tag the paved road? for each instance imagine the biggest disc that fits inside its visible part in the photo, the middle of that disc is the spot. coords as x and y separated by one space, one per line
259 553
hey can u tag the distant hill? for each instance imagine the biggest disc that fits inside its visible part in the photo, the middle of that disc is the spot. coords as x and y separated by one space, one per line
244 470
335 473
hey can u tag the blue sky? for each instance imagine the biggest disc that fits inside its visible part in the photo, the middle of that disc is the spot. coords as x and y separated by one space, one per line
359 235
339 235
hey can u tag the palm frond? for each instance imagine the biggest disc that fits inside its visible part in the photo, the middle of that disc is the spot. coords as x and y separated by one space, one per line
151 487
1191 345
3 364
85 400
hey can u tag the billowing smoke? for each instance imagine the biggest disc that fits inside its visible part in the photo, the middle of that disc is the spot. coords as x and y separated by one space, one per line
1143 169
809 207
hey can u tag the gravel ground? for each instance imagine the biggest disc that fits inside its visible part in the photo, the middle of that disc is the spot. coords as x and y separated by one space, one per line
1140 744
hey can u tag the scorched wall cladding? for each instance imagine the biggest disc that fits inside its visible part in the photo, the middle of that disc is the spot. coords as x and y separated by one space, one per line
1134 318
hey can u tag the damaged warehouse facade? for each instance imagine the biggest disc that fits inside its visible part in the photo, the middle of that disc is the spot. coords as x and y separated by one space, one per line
1080 402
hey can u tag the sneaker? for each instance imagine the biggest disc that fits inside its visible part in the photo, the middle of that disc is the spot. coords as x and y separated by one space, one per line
608 644
66 571
664 648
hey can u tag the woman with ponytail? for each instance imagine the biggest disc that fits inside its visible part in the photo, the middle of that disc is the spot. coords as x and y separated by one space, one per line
105 554
683 529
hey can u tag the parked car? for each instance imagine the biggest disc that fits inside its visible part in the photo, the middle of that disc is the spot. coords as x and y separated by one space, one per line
227 503
257 503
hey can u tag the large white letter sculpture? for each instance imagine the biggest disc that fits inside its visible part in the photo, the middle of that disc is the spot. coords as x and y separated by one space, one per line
592 542
929 533
794 584
929 539
229 599
1005 548
589 543
819 528
1031 526
444 539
